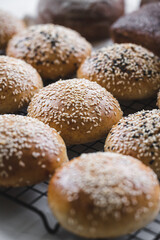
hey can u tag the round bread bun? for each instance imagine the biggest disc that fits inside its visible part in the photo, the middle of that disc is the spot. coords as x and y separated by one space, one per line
29 151
158 101
80 110
103 195
55 51
9 26
128 71
138 135
18 83
91 18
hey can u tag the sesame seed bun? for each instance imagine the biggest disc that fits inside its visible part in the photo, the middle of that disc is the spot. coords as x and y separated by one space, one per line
80 110
103 195
55 51
29 151
138 135
158 101
18 83
9 26
128 71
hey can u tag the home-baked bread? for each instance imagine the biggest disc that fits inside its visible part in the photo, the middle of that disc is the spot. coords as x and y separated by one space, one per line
9 25
103 195
148 1
158 101
53 50
140 27
138 135
80 110
91 18
128 71
18 83
29 151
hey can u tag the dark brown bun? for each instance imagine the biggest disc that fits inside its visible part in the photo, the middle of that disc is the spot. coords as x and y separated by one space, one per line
19 81
29 151
140 27
91 18
128 71
53 50
80 110
148 1
138 135
103 195
158 100
9 26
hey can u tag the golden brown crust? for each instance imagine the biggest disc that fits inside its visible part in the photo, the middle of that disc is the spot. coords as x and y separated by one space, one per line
18 83
158 100
9 26
29 151
128 71
80 110
104 195
138 135
55 51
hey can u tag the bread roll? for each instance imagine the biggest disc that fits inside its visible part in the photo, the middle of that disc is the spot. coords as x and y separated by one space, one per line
80 110
29 151
9 26
138 135
53 50
128 71
18 83
103 195
91 18
140 27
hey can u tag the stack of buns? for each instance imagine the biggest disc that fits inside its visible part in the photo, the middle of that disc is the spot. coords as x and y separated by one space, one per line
98 195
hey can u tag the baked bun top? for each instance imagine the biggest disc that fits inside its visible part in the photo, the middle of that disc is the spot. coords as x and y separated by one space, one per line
76 106
27 146
48 45
101 195
128 71
138 135
19 81
100 173
9 25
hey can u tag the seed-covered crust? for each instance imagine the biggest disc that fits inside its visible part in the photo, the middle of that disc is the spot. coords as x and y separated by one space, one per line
29 151
128 71
80 110
102 195
55 51
18 83
138 135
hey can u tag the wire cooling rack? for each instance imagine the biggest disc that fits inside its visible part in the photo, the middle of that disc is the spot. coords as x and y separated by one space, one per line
34 198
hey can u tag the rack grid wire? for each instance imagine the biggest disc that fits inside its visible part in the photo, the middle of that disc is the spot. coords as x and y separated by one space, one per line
34 197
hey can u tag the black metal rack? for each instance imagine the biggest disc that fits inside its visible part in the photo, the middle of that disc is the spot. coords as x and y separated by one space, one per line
34 197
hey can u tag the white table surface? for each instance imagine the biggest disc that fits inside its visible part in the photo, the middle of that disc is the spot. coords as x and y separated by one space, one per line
16 222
